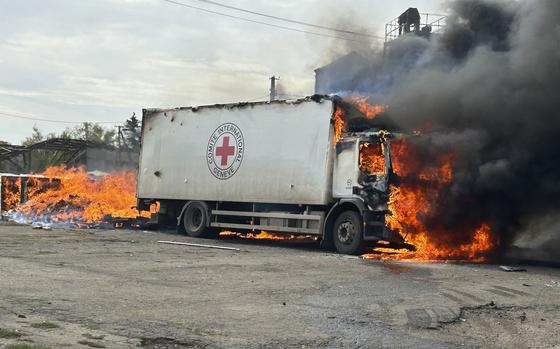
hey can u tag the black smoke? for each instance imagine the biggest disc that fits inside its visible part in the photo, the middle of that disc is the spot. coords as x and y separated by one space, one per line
488 87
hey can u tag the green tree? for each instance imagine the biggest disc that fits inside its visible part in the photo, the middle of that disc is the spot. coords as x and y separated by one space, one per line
132 132
90 132
41 159
36 137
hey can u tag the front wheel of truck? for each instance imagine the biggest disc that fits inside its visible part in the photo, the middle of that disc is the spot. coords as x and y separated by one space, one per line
348 233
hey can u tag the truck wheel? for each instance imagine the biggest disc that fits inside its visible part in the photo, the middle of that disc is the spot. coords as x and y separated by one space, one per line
348 233
195 219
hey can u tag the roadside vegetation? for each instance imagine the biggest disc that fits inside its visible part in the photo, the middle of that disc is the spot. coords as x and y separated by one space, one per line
10 334
44 325
26 346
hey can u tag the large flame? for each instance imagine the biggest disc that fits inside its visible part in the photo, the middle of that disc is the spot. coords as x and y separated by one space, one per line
11 189
72 196
417 200
372 158
370 111
338 123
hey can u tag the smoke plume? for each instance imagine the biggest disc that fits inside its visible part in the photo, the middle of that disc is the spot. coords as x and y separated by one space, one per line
487 88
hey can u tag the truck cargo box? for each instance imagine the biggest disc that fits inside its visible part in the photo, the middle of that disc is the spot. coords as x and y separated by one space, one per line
277 152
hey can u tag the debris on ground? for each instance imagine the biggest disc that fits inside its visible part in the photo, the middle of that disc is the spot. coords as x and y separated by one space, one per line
198 245
511 269
553 284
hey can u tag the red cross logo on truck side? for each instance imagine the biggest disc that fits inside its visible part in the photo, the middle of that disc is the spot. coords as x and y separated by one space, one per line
225 151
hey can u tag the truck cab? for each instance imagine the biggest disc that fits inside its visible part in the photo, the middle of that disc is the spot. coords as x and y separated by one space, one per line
361 183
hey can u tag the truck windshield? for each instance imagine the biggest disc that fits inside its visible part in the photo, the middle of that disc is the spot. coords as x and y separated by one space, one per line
372 159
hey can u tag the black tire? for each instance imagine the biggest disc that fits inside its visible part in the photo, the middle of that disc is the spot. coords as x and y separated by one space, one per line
347 233
195 219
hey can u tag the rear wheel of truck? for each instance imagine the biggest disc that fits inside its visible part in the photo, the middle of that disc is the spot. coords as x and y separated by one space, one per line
195 219
348 233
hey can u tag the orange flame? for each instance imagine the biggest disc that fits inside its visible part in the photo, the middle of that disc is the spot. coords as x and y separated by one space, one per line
369 110
11 190
372 159
415 200
338 123
429 250
75 197
264 235
10 193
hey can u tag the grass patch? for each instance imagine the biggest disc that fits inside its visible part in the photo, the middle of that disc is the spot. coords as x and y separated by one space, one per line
91 336
200 332
91 344
44 325
90 326
10 334
25 346
42 253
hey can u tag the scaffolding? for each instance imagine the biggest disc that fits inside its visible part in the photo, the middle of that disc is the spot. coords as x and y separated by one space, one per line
64 151
413 22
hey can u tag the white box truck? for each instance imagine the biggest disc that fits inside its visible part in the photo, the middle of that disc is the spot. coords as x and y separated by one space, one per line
272 166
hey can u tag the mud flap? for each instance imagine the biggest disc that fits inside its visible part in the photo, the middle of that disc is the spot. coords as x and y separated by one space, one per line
375 229
376 233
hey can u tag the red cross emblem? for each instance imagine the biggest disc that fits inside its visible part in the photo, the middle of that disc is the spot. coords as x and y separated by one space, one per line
225 151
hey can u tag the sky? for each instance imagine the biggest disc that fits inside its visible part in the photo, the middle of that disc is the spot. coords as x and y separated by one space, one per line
102 60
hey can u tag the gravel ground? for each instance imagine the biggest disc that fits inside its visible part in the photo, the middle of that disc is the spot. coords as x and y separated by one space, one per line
122 289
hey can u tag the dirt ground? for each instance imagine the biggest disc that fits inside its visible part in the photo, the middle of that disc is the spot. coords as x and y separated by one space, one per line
122 289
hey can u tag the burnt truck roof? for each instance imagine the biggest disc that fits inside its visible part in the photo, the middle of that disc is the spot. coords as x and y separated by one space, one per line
356 120
314 98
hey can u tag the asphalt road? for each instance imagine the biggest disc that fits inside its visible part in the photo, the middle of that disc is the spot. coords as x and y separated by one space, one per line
122 289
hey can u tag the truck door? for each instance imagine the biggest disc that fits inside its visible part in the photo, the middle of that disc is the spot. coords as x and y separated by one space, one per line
346 170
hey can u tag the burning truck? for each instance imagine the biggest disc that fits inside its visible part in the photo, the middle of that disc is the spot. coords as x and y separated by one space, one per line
320 168
316 166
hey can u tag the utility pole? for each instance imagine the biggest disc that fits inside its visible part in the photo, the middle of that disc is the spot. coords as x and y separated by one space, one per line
119 136
86 126
273 92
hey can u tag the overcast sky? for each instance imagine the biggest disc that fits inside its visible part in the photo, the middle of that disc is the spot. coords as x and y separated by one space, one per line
102 60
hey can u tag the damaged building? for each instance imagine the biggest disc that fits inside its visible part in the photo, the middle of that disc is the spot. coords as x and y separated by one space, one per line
19 164
70 152
355 70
